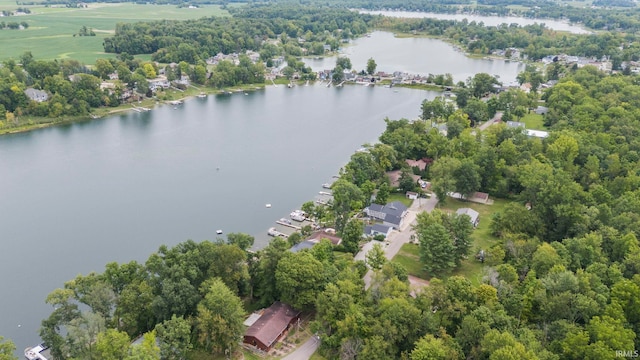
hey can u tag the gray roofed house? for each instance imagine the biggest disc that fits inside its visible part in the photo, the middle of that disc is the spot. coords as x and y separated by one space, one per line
472 214
36 95
307 244
377 229
390 214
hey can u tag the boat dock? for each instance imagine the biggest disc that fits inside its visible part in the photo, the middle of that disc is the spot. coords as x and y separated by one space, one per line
297 219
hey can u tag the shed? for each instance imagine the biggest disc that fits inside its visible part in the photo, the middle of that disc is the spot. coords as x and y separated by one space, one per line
271 326
412 195
473 215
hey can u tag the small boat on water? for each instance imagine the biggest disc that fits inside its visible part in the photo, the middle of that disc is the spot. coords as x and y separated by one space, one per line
219 232
267 206
202 95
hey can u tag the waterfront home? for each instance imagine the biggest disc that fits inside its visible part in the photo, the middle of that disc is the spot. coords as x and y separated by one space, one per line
270 326
390 214
36 95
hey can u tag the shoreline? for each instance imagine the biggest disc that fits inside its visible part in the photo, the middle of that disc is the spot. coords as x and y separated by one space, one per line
149 103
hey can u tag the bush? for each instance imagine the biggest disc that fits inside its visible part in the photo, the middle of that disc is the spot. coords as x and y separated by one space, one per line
379 237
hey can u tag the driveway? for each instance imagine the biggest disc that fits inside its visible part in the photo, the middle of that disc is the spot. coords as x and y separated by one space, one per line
398 238
304 351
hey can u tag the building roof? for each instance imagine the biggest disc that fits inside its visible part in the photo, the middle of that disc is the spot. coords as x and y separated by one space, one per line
325 234
395 208
392 211
470 213
379 228
537 133
272 323
420 164
515 124
307 244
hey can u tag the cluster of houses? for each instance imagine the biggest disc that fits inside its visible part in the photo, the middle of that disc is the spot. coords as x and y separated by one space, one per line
603 64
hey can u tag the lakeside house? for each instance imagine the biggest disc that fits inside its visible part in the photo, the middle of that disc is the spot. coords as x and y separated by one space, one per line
315 238
391 214
267 328
36 95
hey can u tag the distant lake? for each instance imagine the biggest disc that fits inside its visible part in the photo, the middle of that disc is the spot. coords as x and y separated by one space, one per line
417 55
557 25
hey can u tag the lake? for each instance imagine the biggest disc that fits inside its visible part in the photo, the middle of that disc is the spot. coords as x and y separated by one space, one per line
78 196
417 55
552 24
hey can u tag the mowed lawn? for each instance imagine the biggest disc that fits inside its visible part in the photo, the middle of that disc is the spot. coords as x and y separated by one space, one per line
50 32
472 269
533 121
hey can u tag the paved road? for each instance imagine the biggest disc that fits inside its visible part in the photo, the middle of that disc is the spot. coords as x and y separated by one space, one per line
398 238
304 351
497 117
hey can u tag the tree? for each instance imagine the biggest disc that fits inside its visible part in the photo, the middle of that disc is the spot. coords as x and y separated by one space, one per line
481 84
383 193
113 345
371 66
175 338
7 349
376 257
343 62
346 197
243 241
432 348
219 318
436 248
300 278
442 178
406 181
352 235
467 178
146 350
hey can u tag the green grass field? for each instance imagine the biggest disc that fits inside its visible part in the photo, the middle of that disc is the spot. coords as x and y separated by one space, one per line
50 31
472 269
533 121
400 197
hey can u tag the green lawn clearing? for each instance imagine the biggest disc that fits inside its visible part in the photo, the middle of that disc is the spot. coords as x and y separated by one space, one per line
399 197
533 121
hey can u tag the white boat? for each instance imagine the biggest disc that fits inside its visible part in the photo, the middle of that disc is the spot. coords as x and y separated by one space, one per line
298 215
268 206
326 186
219 232
38 352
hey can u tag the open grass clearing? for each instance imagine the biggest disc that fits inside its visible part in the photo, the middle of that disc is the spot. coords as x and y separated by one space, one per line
51 29
534 121
399 197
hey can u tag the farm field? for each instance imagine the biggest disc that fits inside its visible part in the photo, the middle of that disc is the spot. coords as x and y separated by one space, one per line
51 29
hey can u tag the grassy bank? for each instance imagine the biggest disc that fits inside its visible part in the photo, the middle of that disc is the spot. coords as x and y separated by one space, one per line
29 123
